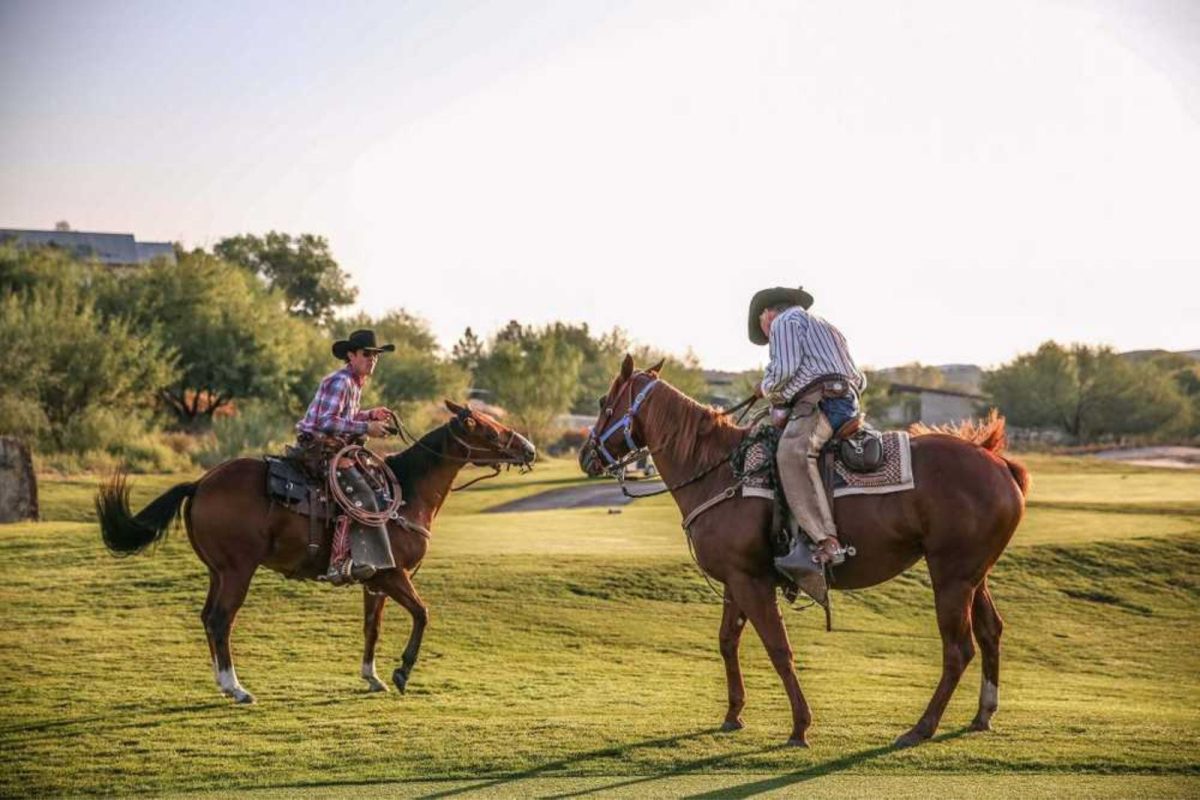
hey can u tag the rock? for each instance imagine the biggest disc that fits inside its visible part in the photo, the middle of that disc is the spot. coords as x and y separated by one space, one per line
18 484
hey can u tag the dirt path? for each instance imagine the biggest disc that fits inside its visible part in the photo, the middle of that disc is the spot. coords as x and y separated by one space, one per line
606 493
1173 457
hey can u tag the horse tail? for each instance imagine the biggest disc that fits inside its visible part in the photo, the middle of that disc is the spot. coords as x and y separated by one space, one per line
124 533
989 434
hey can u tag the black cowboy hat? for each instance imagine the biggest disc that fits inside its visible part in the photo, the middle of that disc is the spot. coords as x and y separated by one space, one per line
770 297
360 340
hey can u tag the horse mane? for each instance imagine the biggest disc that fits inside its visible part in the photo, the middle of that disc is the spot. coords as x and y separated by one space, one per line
696 431
417 459
989 433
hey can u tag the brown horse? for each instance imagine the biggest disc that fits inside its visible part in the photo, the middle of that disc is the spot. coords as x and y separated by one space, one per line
967 502
234 528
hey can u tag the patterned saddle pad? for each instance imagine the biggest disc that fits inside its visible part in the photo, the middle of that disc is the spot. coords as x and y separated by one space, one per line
756 465
895 475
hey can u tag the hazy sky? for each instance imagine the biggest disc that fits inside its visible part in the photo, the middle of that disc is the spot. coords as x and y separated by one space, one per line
954 181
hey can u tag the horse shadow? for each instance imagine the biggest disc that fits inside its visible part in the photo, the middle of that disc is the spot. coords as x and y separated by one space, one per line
614 751
831 767
750 789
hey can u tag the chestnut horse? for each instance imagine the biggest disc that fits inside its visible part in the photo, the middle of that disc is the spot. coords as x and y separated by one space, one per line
966 505
234 528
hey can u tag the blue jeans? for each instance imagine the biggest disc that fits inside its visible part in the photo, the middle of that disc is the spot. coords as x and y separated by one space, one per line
839 410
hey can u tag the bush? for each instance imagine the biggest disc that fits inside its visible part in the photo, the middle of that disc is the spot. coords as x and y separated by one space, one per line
256 429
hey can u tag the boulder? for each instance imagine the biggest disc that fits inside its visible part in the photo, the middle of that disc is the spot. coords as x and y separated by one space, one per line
18 484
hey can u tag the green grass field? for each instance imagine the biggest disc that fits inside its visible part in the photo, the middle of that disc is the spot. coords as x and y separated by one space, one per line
573 653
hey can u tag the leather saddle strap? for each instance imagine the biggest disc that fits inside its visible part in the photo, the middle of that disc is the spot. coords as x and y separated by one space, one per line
314 525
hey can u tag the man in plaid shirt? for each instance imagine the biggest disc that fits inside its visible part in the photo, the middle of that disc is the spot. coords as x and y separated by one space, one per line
334 414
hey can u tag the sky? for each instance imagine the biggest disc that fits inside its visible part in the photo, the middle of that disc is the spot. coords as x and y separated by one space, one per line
954 182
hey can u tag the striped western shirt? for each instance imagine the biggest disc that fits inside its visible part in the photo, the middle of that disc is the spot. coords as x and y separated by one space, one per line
334 410
804 347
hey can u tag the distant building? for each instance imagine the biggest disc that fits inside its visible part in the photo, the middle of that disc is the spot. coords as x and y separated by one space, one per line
908 404
110 249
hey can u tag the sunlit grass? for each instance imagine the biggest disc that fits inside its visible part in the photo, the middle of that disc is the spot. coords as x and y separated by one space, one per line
575 651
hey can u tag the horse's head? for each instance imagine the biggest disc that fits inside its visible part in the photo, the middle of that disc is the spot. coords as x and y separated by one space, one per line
488 441
617 435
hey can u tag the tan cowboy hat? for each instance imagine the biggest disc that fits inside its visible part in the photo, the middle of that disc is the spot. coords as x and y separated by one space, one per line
770 297
360 340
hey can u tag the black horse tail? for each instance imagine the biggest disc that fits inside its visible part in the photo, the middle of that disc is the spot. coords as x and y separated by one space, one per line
125 534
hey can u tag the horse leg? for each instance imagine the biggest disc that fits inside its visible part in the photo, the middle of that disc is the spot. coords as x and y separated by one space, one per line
398 586
986 622
953 602
214 586
756 598
372 620
733 622
231 587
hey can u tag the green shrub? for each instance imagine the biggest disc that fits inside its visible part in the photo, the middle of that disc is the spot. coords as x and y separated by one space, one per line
255 429
98 428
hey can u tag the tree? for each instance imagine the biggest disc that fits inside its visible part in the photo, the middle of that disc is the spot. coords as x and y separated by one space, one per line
25 268
1088 392
533 373
684 373
467 351
64 364
302 268
231 333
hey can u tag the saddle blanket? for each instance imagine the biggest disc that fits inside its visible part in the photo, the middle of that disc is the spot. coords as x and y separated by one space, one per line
895 475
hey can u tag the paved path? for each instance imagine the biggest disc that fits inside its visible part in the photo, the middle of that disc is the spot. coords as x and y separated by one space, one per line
599 493
1176 457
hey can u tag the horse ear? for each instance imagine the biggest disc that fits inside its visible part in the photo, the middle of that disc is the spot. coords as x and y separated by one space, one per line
657 368
452 406
626 367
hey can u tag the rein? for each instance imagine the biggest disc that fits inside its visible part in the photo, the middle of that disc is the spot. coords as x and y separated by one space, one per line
405 436
617 466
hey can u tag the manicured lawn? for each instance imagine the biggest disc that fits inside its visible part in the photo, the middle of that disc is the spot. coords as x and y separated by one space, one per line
574 653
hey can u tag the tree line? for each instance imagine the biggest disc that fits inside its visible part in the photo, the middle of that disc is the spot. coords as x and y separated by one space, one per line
232 342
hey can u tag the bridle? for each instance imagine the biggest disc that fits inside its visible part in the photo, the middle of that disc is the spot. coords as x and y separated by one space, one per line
614 464
494 462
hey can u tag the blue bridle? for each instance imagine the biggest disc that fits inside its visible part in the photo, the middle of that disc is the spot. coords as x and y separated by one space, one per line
625 423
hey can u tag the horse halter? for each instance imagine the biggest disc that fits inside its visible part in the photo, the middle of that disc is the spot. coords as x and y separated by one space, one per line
461 418
625 424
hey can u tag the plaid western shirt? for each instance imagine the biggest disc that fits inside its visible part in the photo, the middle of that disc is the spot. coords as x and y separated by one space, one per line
335 408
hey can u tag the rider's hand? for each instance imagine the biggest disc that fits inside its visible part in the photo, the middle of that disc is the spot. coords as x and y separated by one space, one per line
380 413
758 392
377 429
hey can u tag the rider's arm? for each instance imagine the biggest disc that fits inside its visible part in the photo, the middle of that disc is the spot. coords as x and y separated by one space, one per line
786 347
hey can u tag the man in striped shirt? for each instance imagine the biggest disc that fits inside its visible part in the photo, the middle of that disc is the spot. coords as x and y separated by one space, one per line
813 386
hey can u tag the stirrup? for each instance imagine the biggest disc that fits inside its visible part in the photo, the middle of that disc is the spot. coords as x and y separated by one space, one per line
338 574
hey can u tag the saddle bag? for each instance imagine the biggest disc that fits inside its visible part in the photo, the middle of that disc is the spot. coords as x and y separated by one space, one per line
862 451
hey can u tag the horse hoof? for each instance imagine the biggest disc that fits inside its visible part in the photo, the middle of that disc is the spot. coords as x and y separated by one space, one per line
797 741
376 685
980 725
731 725
400 679
245 699
910 739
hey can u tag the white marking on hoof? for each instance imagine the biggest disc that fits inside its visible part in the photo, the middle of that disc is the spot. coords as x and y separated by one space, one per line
989 701
231 687
373 682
